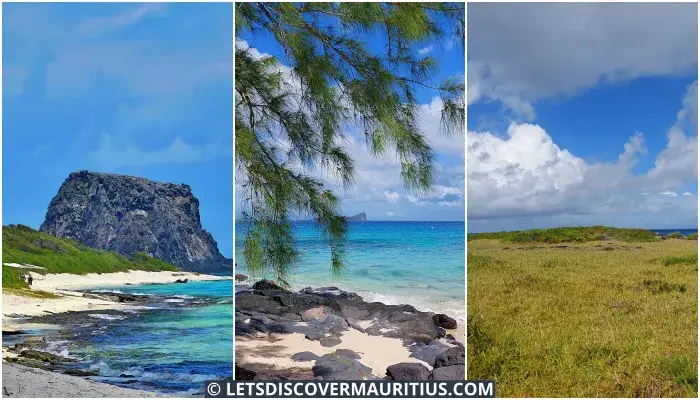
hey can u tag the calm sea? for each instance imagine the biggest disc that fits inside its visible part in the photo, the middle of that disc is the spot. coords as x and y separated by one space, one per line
171 348
416 263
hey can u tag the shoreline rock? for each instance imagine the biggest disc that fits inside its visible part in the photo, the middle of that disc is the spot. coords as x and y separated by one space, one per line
324 314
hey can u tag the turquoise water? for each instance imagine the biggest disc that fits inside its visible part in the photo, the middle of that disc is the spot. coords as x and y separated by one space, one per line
417 263
171 348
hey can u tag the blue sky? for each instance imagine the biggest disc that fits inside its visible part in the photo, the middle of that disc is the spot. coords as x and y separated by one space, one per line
138 89
582 114
378 190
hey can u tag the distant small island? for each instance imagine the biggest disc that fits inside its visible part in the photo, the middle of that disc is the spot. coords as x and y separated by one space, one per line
357 217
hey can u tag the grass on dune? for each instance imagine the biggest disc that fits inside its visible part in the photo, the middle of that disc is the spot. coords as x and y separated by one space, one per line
578 234
24 245
584 319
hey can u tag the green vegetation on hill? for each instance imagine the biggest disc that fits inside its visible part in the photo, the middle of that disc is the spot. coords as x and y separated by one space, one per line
692 236
24 245
11 278
569 235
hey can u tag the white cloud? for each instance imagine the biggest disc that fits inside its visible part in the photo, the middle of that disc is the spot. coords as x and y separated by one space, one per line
527 174
99 25
392 197
390 214
425 50
687 194
523 52
109 156
378 183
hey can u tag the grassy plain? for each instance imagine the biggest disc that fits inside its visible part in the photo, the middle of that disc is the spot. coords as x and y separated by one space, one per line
588 318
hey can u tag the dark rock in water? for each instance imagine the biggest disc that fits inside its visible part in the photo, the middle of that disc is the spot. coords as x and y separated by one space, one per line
453 356
334 367
182 281
348 353
43 356
79 372
408 372
330 341
11 333
241 277
304 356
127 215
244 374
444 321
451 373
117 297
266 285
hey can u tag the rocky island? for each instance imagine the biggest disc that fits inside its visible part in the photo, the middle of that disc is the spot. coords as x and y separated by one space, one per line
127 215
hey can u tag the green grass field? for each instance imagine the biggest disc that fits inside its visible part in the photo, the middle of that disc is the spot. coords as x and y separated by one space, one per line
23 245
608 318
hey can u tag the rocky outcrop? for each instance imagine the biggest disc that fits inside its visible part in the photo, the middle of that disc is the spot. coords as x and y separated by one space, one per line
265 310
127 215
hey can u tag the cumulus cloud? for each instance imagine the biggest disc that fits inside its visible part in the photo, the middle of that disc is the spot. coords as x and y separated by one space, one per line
378 185
519 53
525 173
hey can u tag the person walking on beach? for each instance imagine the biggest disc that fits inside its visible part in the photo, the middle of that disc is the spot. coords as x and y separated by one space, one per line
30 280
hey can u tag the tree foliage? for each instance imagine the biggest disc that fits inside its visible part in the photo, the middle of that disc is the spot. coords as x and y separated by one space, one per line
292 113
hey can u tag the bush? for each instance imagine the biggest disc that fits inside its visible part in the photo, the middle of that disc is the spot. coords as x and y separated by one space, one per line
692 236
12 278
24 245
578 234
674 235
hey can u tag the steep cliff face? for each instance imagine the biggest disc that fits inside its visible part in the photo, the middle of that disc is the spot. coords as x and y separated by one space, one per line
127 214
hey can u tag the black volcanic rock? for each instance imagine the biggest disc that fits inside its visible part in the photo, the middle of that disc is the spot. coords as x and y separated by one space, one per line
127 214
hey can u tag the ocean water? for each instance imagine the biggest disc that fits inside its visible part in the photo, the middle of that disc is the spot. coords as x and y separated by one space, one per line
172 348
416 263
684 232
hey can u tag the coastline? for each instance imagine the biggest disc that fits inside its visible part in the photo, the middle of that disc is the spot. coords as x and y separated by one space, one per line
328 333
21 381
59 297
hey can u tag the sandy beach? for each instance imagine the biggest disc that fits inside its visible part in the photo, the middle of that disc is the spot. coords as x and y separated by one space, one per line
63 285
23 381
376 352
327 333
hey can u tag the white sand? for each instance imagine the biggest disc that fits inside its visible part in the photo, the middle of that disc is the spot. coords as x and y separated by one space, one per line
51 282
376 352
21 381
73 301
